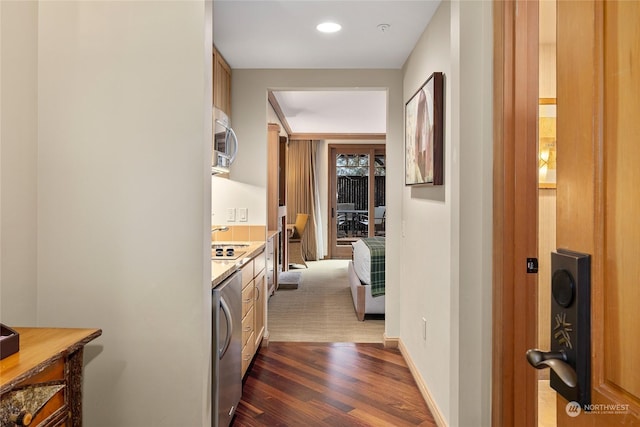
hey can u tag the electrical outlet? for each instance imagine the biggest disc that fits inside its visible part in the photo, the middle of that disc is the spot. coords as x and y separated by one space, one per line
231 214
243 214
424 329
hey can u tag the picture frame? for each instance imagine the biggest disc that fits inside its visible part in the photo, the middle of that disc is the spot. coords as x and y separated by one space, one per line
424 133
547 144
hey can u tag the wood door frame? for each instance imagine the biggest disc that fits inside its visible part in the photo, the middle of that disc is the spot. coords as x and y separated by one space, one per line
515 213
332 207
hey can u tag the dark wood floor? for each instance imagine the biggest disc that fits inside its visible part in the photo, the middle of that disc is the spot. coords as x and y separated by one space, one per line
330 384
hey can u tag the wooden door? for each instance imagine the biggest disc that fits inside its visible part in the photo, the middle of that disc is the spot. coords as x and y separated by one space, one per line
598 192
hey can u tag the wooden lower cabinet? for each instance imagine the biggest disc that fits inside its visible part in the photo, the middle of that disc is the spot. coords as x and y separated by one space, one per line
253 308
247 353
259 306
42 383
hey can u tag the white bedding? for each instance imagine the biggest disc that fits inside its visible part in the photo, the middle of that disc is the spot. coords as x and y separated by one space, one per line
362 261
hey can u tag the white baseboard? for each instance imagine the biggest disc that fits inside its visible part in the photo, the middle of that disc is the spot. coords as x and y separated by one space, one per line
424 390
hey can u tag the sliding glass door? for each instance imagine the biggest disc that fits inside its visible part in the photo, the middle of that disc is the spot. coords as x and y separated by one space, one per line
356 195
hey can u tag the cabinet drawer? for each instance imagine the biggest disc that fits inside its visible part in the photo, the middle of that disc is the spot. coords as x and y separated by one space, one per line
247 354
247 273
247 326
247 299
259 263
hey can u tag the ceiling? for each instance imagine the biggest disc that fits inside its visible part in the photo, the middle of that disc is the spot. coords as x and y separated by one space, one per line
334 112
281 34
269 34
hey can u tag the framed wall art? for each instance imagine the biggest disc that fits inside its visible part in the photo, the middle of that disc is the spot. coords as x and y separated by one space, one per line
424 134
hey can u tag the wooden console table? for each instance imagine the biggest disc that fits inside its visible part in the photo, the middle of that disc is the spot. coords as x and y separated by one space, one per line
41 385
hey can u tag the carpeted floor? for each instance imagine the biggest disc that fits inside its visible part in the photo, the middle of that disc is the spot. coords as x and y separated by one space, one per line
320 309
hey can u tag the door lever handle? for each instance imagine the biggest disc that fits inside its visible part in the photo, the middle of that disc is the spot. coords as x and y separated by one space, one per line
557 361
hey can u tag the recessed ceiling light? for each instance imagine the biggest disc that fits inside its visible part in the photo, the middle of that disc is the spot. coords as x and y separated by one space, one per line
329 27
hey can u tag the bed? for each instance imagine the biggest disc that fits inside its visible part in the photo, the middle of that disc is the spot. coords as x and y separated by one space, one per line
366 277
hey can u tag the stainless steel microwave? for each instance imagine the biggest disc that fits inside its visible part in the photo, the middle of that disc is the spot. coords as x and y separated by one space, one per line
225 143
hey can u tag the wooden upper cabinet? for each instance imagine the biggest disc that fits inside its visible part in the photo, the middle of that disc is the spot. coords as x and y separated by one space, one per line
221 83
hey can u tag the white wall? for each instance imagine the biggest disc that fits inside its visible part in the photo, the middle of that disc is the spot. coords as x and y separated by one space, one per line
122 200
18 151
250 112
427 230
446 247
232 193
472 49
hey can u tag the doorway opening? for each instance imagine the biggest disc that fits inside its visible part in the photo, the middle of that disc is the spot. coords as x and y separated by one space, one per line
357 184
358 134
546 198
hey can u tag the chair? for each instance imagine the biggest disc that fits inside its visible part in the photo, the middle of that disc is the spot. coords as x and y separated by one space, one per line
341 224
378 220
295 240
346 218
363 225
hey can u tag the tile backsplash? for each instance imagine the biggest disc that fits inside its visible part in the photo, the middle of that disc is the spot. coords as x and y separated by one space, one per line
240 233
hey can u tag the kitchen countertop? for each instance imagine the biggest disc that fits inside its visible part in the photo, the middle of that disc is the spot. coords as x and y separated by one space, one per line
223 268
271 233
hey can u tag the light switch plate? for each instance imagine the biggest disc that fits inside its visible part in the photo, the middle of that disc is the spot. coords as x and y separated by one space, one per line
243 214
231 214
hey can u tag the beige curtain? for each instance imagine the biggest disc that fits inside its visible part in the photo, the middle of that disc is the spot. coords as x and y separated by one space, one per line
301 161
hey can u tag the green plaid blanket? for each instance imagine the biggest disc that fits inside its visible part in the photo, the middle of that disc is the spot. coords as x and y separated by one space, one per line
376 247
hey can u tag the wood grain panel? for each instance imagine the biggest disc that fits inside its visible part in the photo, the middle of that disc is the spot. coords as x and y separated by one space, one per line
247 299
515 102
38 347
247 273
50 356
578 100
597 191
247 326
273 175
622 174
259 307
247 353
221 83
330 384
